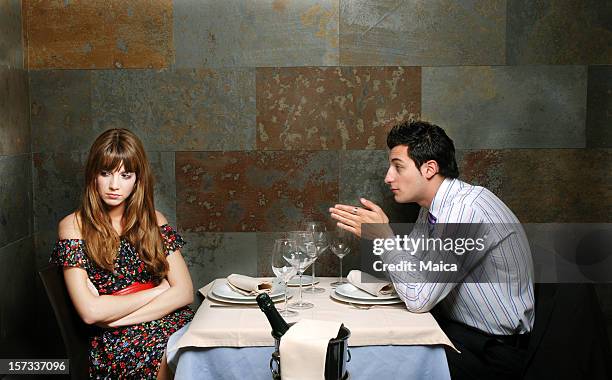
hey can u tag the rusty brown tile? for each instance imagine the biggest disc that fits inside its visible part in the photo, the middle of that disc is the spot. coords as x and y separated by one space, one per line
545 185
333 107
98 34
253 191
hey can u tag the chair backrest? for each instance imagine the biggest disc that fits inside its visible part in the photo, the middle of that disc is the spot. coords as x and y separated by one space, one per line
75 332
569 338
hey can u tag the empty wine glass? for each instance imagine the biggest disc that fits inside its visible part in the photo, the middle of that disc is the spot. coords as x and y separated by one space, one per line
282 267
340 246
319 234
301 260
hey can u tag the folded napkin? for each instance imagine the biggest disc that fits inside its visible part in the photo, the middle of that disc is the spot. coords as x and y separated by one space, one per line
370 284
248 286
303 349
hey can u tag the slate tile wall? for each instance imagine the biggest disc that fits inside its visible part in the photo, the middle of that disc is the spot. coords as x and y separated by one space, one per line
258 115
17 269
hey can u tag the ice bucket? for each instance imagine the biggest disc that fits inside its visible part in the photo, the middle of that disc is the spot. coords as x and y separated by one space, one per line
336 358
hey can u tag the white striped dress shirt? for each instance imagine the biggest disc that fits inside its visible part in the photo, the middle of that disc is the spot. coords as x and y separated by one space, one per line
503 303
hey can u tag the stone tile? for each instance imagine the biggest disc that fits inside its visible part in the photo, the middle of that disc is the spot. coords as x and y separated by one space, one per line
162 165
333 107
253 191
558 32
422 33
14 112
599 107
15 198
362 175
215 255
243 33
508 107
178 110
545 185
18 298
11 45
98 34
61 111
58 184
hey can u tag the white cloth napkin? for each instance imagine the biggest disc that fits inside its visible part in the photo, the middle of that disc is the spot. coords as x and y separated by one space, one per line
248 286
369 283
303 349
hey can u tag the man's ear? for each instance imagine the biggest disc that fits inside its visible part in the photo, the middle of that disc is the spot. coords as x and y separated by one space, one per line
429 169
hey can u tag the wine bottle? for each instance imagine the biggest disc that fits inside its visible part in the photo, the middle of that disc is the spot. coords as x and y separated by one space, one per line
278 324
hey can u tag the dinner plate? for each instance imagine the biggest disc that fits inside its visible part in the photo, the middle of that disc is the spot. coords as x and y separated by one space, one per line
306 281
211 296
223 290
351 291
341 298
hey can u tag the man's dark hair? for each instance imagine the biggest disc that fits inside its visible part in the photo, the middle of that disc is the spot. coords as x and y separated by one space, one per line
425 141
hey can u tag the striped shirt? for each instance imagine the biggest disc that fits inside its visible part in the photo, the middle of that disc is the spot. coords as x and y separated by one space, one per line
496 294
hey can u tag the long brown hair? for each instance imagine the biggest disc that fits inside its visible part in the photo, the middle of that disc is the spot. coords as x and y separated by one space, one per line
111 149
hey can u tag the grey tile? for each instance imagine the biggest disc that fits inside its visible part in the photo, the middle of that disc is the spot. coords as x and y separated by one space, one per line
15 198
178 110
216 255
17 297
508 107
422 33
255 33
162 165
61 111
599 107
362 175
559 32
58 182
11 46
14 111
44 241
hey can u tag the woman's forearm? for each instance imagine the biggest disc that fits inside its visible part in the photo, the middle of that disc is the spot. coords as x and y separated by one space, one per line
108 308
160 306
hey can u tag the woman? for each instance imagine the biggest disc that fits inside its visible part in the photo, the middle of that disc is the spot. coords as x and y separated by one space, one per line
122 265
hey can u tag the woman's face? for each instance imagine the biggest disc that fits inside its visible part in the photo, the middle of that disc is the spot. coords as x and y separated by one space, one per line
115 187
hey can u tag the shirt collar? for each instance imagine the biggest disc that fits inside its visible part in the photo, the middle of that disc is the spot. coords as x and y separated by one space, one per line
441 197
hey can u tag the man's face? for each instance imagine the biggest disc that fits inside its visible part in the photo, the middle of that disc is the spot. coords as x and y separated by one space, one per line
403 177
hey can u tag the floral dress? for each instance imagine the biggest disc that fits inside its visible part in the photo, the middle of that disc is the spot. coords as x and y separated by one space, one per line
130 351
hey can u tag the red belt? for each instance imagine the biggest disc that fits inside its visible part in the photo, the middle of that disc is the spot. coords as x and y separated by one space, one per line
135 287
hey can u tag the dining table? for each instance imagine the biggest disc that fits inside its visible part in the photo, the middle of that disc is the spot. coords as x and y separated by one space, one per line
233 340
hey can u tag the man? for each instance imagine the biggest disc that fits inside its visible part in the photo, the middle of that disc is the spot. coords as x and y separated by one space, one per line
488 310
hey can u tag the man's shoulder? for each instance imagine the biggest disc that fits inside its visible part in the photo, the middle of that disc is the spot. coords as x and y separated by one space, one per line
474 203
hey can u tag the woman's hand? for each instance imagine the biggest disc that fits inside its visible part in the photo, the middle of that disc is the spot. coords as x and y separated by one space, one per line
350 219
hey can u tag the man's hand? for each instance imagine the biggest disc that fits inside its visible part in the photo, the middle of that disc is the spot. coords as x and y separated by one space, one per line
350 218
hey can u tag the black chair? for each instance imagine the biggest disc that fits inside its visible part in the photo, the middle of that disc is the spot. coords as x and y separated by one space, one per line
75 332
569 338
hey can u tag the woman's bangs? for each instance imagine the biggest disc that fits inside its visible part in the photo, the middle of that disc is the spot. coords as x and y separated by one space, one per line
112 159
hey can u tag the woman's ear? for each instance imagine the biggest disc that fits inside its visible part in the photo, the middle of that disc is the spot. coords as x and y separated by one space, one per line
430 169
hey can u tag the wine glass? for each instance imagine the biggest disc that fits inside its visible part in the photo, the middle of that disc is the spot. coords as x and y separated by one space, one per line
319 234
301 259
282 268
340 246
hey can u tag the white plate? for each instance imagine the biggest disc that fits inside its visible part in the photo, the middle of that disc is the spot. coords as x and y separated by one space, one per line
351 291
340 298
212 297
306 280
223 290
